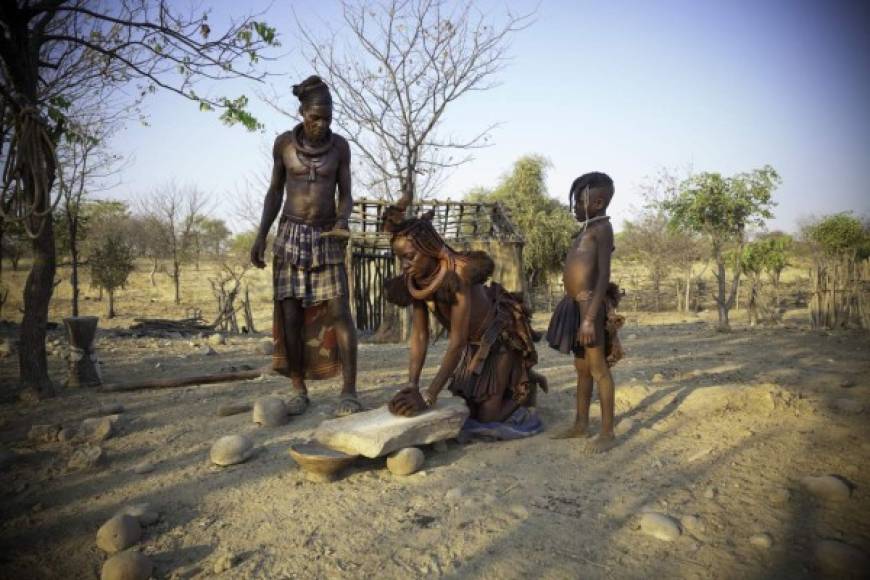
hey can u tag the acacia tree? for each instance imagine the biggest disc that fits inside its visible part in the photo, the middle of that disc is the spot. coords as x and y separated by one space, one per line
405 62
111 263
721 208
56 53
176 212
546 224
650 243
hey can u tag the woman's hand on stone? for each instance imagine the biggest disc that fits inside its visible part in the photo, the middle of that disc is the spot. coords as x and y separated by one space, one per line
407 403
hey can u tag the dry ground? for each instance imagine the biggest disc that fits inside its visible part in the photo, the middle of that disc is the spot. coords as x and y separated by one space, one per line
724 434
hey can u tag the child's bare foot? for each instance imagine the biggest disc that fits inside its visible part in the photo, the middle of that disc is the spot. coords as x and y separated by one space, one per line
601 444
575 431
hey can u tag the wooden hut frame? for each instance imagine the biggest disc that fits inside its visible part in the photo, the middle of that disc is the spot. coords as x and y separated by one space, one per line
464 225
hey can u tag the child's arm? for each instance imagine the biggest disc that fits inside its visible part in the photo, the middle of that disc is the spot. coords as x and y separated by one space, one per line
603 250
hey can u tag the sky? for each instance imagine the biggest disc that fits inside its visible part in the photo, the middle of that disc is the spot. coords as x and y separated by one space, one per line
625 87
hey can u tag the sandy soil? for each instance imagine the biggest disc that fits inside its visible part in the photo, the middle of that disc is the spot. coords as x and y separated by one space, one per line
723 428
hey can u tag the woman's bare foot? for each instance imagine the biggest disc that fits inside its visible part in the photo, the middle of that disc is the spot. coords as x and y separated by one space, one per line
601 444
575 431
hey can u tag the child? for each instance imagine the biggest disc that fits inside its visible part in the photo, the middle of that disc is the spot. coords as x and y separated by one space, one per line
580 322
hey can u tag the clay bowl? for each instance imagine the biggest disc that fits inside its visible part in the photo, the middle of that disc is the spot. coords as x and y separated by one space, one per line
320 463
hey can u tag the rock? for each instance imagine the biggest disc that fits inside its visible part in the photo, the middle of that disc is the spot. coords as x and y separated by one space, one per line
378 432
841 560
120 532
828 487
231 449
128 565
763 541
43 433
779 497
142 512
143 468
224 562
266 347
519 511
694 524
711 492
270 412
624 426
7 458
232 409
86 457
95 430
454 495
660 526
217 339
632 336
658 378
111 409
206 350
405 461
848 406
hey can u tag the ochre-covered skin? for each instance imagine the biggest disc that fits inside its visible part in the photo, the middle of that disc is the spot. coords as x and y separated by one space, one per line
586 278
311 179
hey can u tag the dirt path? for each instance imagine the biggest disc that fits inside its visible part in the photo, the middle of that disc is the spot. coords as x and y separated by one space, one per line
722 428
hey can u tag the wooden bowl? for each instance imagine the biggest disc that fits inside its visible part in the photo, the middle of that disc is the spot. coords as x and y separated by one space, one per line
320 463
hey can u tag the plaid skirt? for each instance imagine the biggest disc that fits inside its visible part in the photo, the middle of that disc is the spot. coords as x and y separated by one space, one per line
308 266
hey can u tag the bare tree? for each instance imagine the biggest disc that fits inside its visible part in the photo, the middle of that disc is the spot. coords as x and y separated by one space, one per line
406 62
53 54
176 211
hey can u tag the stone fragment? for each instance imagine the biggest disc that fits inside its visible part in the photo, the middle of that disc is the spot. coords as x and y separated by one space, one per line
266 347
694 524
405 461
67 434
142 512
143 468
454 495
828 487
840 560
95 430
779 497
127 565
86 457
270 412
660 526
43 433
378 432
111 408
206 350
217 339
519 511
120 532
231 449
711 492
763 541
658 378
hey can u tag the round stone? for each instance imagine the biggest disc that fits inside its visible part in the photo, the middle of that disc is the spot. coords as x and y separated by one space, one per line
840 560
660 526
694 524
829 487
128 565
122 531
217 339
270 412
763 541
231 449
87 457
405 461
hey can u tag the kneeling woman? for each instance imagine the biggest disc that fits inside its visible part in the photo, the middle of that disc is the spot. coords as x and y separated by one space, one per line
490 350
